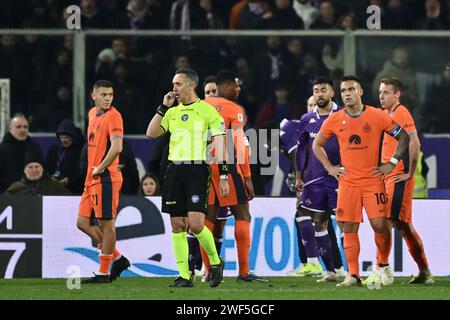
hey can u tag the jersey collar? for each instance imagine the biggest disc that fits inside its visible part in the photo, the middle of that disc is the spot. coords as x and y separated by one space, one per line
333 108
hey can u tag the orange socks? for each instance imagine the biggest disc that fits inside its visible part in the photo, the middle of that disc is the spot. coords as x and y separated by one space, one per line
383 242
205 258
242 236
416 249
116 253
105 263
352 248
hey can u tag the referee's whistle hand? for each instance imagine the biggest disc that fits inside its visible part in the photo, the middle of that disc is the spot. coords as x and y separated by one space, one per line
224 188
169 99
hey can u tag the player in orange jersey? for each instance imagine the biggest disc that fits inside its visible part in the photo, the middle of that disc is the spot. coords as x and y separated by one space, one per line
359 130
400 182
239 177
103 182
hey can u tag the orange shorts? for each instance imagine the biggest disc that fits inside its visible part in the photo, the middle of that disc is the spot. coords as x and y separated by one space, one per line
238 191
101 199
399 206
352 199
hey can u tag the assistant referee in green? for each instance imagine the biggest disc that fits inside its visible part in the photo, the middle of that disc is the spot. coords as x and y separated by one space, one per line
187 178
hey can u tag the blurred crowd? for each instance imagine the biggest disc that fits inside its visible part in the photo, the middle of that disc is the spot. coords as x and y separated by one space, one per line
276 73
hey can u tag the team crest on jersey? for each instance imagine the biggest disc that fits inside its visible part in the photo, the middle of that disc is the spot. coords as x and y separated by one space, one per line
367 128
195 198
184 117
91 136
308 202
312 120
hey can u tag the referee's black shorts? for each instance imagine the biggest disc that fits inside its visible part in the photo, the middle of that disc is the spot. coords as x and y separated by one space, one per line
186 188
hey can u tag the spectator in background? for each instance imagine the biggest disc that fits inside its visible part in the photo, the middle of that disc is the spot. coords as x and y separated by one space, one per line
247 77
306 11
435 16
187 15
332 52
233 22
279 109
128 167
139 16
105 60
274 66
398 16
399 66
178 62
15 65
57 106
35 180
327 16
92 17
295 49
149 185
285 17
310 71
213 19
125 96
255 15
39 14
16 143
63 158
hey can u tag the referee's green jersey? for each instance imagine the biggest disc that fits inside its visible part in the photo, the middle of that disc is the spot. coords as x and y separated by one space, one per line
188 126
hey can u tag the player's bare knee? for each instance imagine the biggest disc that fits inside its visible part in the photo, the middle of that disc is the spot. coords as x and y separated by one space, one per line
379 225
241 212
320 221
350 227
82 224
321 226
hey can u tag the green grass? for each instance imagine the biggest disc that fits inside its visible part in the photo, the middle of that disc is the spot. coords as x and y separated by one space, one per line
279 288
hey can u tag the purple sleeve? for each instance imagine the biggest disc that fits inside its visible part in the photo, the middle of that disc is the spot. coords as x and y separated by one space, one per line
301 157
302 147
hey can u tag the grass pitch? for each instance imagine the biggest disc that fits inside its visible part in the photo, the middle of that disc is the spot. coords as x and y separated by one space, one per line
279 288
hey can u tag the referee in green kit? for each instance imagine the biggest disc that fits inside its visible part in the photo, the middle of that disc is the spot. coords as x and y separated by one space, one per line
187 178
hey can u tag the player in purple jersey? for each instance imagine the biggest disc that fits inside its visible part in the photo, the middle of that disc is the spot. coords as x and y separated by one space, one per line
317 187
288 147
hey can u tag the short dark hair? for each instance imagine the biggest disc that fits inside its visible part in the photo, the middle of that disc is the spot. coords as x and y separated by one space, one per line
323 80
395 82
351 78
190 74
225 76
102 84
209 79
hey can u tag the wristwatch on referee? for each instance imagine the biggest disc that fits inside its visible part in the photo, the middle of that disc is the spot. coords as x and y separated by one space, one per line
223 177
